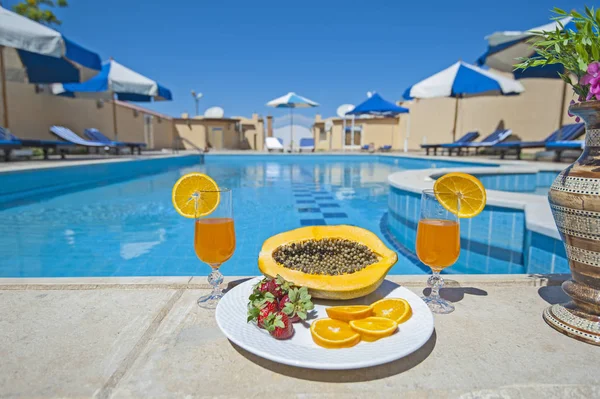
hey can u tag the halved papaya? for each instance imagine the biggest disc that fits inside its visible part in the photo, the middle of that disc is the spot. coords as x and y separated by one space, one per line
342 286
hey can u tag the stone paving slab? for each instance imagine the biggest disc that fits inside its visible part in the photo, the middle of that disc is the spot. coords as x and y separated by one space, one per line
129 342
70 343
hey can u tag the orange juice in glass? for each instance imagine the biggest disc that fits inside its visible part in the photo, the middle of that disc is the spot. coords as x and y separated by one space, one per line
438 242
438 246
214 241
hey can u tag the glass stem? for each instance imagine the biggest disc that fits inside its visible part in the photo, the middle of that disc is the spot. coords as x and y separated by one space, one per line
435 282
215 278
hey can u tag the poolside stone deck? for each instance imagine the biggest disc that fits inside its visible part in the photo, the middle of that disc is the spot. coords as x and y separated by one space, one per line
146 337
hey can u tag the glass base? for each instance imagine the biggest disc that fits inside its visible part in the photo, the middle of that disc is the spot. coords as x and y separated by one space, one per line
438 305
210 301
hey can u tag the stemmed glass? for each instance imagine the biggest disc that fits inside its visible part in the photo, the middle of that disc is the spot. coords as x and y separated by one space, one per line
438 246
214 241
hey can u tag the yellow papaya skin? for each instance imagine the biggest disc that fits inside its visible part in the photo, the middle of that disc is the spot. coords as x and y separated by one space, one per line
341 287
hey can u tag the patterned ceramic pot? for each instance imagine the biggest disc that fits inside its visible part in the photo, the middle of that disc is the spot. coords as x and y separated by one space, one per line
575 202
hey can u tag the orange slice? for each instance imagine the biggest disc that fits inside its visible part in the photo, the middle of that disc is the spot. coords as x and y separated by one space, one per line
333 334
195 195
347 313
374 328
396 309
454 188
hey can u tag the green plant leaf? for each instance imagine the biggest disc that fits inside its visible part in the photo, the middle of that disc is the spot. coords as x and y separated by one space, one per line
302 315
595 53
589 12
559 11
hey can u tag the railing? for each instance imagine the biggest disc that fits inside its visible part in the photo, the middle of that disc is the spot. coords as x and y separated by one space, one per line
177 141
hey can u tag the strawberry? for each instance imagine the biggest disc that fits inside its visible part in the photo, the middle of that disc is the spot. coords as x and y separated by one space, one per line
279 326
296 304
283 300
260 306
279 287
267 309
263 286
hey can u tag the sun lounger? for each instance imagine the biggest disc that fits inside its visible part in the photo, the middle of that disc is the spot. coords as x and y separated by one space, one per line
467 138
566 133
10 142
69 136
307 144
96 135
385 148
496 137
273 144
7 147
365 147
559 146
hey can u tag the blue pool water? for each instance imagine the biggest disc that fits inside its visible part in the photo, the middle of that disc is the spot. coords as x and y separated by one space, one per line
117 219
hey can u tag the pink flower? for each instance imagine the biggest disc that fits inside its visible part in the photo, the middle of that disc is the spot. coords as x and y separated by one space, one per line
592 78
577 119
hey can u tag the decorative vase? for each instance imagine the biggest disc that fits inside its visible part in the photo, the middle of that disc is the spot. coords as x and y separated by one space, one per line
575 201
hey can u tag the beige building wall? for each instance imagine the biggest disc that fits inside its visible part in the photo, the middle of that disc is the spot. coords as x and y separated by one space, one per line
376 131
253 132
31 114
532 115
221 133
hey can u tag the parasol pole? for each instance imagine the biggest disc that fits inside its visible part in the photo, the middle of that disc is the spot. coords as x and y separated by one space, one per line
455 118
292 129
352 134
114 107
343 133
4 96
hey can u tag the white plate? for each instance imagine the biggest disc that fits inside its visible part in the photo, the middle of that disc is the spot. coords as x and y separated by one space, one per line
301 351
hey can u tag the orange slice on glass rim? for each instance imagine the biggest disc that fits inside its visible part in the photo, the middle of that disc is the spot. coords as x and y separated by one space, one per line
457 188
195 195
347 313
396 309
333 334
374 328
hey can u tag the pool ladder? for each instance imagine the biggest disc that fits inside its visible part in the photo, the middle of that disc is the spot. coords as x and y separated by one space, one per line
179 141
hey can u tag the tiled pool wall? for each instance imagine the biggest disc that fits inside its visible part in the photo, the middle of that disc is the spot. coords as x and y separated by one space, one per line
518 182
19 187
401 161
496 241
427 163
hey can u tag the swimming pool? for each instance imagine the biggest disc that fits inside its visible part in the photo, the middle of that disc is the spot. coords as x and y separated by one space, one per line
116 219
535 182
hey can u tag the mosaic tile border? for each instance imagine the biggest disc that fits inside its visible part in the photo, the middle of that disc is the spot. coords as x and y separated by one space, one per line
576 185
563 320
316 205
592 138
590 258
578 223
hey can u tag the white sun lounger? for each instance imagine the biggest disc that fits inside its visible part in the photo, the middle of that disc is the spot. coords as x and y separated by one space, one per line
273 144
